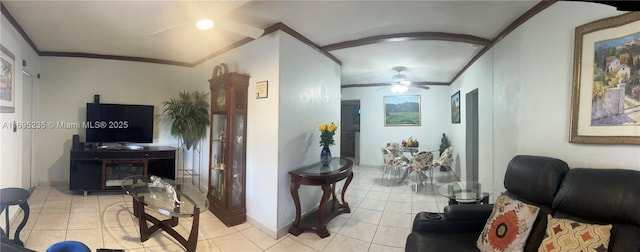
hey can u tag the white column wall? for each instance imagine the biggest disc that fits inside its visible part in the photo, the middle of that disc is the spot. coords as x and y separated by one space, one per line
309 96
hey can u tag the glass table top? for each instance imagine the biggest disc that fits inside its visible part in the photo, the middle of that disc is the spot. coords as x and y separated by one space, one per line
337 166
159 197
463 191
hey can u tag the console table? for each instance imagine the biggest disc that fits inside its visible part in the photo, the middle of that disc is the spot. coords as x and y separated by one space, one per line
326 177
93 169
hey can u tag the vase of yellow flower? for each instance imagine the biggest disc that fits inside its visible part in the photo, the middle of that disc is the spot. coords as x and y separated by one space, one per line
326 139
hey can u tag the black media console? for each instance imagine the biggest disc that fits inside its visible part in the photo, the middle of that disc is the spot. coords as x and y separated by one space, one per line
94 169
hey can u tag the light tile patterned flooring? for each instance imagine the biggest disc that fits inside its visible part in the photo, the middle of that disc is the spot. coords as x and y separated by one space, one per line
381 218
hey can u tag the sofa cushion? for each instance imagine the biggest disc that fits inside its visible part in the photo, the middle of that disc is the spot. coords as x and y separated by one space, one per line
509 225
570 235
600 195
534 179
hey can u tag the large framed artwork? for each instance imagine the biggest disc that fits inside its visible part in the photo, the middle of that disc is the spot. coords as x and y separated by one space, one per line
402 110
455 107
7 81
605 105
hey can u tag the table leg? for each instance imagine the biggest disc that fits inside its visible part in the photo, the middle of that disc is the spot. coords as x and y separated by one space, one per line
193 237
322 226
16 238
344 189
142 220
333 191
296 201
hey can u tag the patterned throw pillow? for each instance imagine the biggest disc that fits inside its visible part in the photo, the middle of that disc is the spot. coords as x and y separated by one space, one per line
569 235
508 225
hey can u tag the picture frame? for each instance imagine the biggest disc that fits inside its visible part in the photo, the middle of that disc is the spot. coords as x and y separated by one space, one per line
455 107
262 89
7 81
605 101
401 110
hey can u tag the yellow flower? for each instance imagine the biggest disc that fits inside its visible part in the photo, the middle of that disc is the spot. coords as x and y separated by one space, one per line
326 133
332 127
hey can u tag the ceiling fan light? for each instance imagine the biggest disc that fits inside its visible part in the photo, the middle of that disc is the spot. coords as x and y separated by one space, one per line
405 82
204 24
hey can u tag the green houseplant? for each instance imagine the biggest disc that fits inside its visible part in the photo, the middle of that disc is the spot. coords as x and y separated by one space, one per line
190 115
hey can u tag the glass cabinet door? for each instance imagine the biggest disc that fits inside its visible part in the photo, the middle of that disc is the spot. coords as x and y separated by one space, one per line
238 161
218 156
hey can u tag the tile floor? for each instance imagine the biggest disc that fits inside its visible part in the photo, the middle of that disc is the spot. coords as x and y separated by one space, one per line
381 218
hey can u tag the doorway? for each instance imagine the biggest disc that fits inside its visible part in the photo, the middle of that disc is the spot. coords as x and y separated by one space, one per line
28 180
472 135
350 133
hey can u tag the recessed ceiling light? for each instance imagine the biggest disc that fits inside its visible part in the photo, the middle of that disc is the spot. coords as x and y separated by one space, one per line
204 24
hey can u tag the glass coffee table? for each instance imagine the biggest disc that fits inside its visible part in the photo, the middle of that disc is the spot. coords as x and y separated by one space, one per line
464 193
149 193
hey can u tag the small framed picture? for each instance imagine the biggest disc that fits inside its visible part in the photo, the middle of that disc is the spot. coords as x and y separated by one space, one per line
262 89
455 107
7 81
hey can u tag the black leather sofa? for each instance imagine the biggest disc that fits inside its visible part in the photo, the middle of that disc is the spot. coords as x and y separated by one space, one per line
599 196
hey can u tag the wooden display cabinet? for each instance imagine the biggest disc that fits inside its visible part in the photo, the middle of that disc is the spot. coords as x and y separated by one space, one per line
227 157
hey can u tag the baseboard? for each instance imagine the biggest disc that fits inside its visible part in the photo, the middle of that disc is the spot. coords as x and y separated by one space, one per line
261 227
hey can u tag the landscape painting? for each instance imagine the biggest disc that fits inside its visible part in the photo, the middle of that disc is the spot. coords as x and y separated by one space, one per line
402 110
455 107
616 85
605 101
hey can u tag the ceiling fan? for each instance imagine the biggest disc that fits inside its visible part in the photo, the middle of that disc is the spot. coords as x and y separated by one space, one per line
400 83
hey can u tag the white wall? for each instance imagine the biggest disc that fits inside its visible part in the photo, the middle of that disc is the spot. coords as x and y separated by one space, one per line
282 129
435 119
544 88
532 93
67 84
309 96
479 76
11 145
259 59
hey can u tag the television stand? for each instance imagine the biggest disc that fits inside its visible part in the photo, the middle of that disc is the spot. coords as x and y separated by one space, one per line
101 168
120 146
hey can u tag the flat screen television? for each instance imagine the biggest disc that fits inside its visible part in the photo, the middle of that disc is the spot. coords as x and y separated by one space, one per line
119 123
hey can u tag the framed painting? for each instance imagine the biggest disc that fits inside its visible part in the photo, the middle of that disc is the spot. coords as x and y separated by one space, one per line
402 110
605 105
455 107
7 81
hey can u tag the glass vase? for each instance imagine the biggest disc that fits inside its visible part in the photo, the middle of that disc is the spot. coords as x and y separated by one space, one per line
325 156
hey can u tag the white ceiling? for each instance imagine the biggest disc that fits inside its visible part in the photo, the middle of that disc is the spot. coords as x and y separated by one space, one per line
126 28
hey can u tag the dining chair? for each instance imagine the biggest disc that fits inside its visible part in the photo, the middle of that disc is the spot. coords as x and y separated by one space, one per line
392 163
445 160
420 164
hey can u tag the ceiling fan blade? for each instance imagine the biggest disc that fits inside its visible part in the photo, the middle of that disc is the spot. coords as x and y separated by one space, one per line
381 88
239 28
419 86
167 28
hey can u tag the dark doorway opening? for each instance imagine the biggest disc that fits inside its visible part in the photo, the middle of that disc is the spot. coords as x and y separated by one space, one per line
350 130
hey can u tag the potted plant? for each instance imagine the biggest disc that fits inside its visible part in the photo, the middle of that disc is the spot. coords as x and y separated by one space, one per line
190 115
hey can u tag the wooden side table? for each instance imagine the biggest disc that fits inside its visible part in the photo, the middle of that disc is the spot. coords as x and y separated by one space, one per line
326 177
14 196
